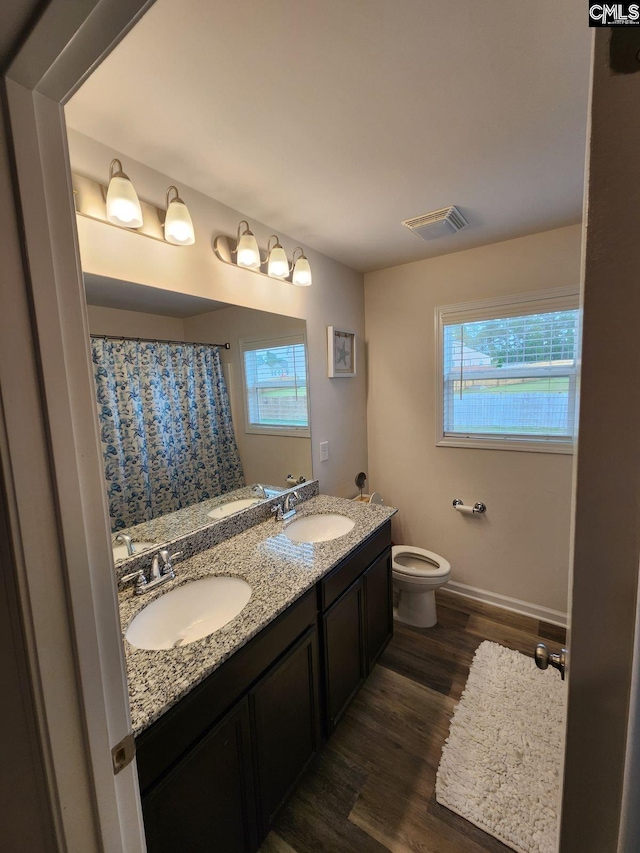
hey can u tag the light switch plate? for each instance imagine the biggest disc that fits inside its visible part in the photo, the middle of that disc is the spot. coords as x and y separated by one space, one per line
324 451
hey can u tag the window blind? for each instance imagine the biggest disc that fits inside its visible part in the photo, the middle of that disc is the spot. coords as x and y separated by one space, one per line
511 376
275 375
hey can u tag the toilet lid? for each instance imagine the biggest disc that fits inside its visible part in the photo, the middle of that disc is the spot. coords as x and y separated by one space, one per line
418 562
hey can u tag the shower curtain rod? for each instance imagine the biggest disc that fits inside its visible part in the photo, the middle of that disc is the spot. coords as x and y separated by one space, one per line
159 341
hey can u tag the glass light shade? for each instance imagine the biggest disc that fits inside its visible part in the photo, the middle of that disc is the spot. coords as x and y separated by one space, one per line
248 252
302 272
278 263
123 205
178 227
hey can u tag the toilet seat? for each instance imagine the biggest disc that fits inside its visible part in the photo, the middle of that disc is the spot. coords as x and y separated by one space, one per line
418 563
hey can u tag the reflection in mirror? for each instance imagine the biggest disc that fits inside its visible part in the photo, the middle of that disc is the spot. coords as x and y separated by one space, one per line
193 432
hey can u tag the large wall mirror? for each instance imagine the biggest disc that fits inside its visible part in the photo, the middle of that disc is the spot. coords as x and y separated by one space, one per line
203 408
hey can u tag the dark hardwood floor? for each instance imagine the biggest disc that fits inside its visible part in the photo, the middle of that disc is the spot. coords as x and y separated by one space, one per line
371 789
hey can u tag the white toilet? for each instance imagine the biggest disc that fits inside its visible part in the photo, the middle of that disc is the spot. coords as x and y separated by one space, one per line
417 574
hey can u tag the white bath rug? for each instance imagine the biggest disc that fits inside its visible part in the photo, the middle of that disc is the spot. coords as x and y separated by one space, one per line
501 764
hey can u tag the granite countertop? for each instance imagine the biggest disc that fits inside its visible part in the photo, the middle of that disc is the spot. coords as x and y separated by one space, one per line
185 520
279 572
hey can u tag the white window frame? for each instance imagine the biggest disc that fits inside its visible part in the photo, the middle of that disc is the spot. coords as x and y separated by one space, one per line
251 344
534 302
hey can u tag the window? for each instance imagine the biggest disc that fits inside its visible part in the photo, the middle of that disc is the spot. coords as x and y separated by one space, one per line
508 372
275 384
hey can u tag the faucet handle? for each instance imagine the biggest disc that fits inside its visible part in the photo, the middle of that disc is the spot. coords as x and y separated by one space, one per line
139 577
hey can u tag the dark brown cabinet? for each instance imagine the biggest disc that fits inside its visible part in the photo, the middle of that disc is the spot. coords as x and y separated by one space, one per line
356 605
285 725
206 802
344 652
378 600
216 767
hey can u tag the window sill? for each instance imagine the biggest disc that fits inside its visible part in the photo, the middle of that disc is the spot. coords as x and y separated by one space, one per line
523 445
289 433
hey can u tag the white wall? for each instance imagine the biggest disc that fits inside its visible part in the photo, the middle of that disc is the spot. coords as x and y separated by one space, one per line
265 458
520 549
338 406
134 324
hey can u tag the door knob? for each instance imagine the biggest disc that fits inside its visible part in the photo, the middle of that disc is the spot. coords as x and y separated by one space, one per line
543 657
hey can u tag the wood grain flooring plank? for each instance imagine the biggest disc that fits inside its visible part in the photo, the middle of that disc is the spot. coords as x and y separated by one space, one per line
435 657
274 844
463 827
468 605
372 789
506 635
449 617
390 752
315 820
417 831
391 703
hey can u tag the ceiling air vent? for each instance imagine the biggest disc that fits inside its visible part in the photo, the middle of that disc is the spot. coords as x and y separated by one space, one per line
440 223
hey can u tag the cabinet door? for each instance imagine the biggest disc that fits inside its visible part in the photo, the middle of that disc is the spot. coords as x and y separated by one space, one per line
344 652
206 802
378 601
285 718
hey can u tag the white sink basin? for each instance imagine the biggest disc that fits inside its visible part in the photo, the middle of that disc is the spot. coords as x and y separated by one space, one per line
233 506
318 528
188 613
120 550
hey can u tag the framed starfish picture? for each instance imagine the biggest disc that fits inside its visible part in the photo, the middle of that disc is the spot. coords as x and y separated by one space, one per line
341 351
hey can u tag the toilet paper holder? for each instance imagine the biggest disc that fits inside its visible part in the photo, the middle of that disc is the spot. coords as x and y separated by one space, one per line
477 507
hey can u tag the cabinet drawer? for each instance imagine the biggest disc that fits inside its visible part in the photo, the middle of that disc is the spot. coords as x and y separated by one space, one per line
159 746
336 582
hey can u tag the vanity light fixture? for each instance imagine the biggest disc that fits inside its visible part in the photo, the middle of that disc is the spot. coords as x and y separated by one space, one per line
178 227
277 261
301 269
123 204
247 251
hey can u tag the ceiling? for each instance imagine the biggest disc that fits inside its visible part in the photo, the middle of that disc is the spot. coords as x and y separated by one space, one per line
334 121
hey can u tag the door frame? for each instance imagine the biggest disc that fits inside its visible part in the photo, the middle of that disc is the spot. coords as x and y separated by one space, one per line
601 776
49 447
49 441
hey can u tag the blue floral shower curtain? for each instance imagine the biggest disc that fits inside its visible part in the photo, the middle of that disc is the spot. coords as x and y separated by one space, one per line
166 429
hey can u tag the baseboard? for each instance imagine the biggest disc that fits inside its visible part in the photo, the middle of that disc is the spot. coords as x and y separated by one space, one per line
525 608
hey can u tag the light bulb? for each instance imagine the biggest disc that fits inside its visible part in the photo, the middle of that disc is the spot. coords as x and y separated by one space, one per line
123 205
302 272
247 249
278 262
178 227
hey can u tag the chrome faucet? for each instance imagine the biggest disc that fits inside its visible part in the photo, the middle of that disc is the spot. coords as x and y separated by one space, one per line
286 510
161 571
259 489
123 537
290 500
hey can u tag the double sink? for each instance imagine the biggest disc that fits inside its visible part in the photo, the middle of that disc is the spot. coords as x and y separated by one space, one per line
196 609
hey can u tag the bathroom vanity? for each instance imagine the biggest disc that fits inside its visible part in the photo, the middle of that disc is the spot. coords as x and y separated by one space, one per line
226 725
